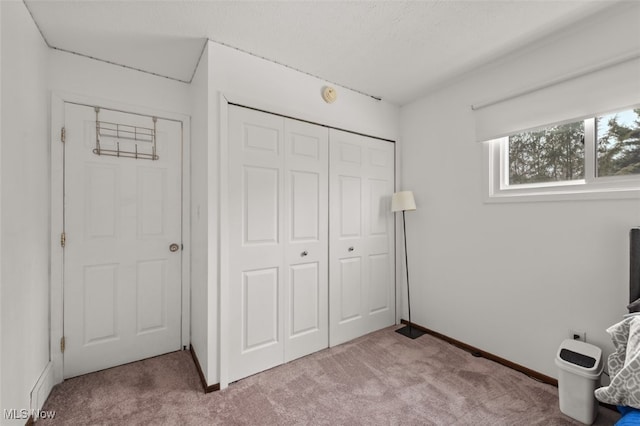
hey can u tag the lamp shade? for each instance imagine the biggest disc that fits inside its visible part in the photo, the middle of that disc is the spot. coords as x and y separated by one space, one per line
403 201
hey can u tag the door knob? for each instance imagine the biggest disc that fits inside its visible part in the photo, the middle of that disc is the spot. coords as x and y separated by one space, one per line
174 247
304 253
351 248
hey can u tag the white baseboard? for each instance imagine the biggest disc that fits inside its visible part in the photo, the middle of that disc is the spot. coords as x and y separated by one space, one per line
42 389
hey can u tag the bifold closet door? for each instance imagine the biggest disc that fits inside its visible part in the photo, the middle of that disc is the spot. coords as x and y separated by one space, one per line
306 198
278 240
361 253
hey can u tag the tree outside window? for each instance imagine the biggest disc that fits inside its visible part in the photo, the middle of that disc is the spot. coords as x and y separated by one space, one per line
557 153
551 154
618 137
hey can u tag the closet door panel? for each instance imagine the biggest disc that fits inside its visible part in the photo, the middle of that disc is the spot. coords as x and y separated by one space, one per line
361 235
380 299
305 200
380 234
306 321
256 243
350 288
260 209
347 273
304 299
260 308
350 207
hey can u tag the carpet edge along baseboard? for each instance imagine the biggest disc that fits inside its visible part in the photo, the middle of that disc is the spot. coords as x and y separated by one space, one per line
488 355
492 357
207 388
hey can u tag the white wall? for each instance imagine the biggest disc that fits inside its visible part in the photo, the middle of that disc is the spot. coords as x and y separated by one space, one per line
255 82
512 279
203 271
249 79
25 208
75 74
1 404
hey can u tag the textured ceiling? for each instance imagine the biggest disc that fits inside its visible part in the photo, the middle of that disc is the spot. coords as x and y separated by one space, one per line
396 50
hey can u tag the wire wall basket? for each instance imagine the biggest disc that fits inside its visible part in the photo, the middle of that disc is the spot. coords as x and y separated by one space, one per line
123 140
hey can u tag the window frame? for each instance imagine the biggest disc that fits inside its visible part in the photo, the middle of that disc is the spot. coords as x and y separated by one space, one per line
591 187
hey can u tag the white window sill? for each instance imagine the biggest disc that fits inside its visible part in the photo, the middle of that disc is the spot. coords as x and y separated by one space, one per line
563 193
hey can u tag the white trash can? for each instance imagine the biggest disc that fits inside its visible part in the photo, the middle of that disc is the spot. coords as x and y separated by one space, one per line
580 368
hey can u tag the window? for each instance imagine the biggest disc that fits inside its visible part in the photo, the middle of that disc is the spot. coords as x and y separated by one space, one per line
618 137
596 155
551 154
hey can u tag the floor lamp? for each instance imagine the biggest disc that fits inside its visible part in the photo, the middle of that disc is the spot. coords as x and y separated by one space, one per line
403 201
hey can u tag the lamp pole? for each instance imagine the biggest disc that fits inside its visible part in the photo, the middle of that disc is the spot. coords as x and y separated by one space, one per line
406 264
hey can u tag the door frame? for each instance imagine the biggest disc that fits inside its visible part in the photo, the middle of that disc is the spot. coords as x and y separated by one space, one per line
58 99
224 99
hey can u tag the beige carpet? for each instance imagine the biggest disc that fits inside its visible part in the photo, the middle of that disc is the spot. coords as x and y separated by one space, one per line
382 378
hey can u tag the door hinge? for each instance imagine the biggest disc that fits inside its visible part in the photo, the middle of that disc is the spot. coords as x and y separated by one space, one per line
63 135
63 239
62 344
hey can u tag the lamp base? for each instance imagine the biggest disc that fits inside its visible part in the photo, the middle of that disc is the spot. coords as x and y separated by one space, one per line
410 332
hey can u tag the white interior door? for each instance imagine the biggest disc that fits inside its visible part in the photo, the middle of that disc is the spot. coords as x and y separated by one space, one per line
122 284
361 254
306 238
278 240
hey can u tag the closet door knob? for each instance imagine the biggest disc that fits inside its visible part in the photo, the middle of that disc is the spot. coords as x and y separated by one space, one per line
351 248
304 253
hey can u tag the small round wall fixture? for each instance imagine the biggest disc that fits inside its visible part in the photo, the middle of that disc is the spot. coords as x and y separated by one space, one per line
329 94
